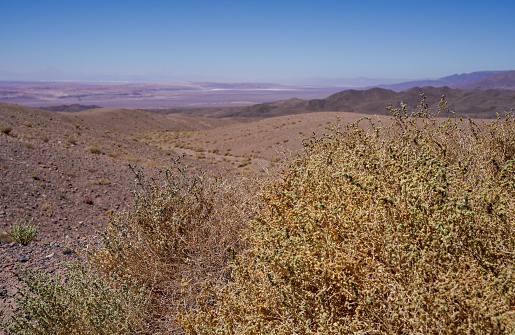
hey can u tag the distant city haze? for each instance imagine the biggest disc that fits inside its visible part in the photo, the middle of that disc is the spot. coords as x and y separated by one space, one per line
341 43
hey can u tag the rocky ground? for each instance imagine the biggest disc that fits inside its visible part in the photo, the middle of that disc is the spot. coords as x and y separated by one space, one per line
66 194
62 189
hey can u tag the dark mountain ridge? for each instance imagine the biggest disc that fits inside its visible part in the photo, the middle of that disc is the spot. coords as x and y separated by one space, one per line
472 103
74 108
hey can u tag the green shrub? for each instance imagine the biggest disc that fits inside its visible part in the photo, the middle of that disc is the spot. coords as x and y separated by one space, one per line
23 233
80 302
402 228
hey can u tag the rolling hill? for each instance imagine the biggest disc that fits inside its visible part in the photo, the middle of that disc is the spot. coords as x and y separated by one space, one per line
472 103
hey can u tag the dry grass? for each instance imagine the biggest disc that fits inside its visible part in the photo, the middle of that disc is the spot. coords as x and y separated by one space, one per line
71 140
6 129
101 181
93 149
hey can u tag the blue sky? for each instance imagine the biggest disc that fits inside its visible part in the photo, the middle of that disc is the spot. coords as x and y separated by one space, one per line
258 40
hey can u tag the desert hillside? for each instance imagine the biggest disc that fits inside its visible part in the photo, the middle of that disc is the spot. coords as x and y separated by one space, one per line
65 170
52 162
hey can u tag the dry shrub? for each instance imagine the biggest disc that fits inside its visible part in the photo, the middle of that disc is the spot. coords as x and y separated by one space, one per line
400 228
6 129
152 259
72 140
78 302
179 233
93 149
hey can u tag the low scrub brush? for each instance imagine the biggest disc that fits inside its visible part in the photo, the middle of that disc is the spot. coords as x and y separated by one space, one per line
394 228
179 233
80 302
23 233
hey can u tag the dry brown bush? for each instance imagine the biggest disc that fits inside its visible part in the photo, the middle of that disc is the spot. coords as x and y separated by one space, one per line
6 129
179 234
400 229
93 149
153 259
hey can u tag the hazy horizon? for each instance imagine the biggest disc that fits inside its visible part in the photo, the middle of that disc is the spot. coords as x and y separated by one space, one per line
286 42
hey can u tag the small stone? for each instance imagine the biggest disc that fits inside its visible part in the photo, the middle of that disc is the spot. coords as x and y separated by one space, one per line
22 259
5 237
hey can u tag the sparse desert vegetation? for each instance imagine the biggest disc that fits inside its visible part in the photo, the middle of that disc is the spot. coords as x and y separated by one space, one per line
382 225
6 129
23 233
94 149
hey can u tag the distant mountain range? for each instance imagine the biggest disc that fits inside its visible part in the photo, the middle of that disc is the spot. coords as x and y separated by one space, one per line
475 80
473 103
478 95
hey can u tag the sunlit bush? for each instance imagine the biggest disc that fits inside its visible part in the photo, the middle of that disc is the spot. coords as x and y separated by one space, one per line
394 228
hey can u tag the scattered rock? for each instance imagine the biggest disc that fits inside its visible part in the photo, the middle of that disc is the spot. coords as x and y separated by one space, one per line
87 200
5 237
22 259
67 252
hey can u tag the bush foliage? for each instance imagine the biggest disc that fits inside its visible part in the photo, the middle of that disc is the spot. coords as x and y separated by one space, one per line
80 302
378 227
179 233
401 228
23 233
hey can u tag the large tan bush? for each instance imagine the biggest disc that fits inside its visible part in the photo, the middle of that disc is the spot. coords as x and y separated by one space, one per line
181 231
402 228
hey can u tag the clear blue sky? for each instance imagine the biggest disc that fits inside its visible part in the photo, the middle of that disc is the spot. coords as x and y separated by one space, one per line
259 40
